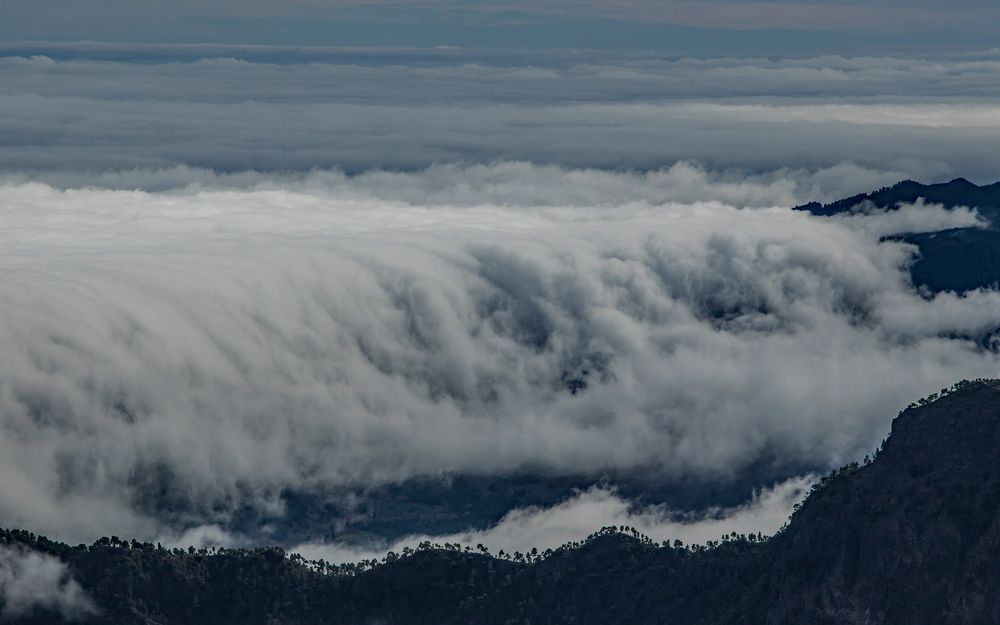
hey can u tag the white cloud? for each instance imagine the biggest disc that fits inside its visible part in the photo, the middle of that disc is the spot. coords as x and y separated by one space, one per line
507 184
588 511
31 580
225 342
911 219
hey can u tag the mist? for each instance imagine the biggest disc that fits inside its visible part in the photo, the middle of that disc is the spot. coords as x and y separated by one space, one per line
31 581
523 530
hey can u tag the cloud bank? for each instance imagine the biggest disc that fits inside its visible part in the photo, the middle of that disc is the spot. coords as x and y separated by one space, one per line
31 581
171 356
240 108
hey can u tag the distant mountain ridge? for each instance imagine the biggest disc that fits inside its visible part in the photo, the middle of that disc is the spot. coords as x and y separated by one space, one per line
960 259
958 192
910 537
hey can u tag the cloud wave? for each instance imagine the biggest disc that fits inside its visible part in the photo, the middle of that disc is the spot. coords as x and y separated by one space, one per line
205 348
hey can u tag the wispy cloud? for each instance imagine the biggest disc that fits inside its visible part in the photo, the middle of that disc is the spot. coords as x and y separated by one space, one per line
541 528
31 581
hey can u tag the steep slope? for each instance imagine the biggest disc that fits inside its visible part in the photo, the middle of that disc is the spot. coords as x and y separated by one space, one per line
912 538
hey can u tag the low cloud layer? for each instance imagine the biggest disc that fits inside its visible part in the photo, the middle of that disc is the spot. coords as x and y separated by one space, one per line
565 191
32 581
200 349
240 108
588 511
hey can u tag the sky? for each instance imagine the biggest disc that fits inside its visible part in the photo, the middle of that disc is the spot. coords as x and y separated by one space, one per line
688 26
266 247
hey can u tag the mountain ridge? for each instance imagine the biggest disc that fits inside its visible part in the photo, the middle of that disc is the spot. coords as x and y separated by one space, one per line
907 537
957 260
951 194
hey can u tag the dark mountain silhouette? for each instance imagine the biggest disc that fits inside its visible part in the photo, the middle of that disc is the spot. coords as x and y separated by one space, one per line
911 537
960 259
958 192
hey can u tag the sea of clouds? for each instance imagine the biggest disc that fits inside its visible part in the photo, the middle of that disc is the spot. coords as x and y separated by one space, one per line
218 346
223 279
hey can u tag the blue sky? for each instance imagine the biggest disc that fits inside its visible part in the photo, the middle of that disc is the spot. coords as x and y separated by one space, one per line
690 26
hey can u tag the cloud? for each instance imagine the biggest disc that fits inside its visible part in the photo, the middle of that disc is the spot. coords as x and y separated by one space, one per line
206 348
203 536
921 117
31 581
910 219
399 263
588 511
508 184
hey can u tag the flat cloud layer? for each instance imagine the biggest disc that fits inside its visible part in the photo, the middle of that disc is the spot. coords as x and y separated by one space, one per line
239 108
204 348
